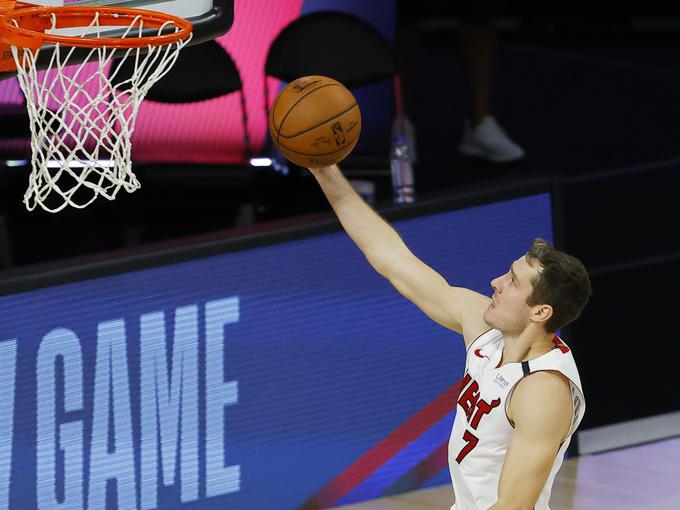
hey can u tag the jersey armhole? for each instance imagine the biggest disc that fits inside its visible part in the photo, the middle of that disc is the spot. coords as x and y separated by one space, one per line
507 403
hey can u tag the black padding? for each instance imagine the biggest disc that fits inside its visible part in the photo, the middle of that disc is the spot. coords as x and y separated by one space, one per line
334 44
14 122
202 72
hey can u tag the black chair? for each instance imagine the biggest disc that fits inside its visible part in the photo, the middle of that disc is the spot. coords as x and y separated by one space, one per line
335 44
14 121
204 71
15 132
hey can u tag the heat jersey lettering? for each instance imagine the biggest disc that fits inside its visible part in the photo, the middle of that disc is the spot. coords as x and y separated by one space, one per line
475 409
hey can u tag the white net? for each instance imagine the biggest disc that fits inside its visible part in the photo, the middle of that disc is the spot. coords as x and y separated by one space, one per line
83 116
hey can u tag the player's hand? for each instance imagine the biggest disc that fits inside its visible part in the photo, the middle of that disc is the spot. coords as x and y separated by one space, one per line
322 170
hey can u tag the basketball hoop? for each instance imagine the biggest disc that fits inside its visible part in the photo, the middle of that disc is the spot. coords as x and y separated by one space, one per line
82 117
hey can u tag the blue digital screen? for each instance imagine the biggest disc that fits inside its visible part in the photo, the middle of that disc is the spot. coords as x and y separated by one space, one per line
248 380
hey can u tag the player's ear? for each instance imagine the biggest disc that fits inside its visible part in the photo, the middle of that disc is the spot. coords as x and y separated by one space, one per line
541 313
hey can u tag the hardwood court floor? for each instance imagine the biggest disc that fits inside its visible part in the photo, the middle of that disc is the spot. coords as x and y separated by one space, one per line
641 477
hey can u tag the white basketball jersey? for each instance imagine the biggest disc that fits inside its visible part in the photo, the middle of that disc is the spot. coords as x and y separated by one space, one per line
481 431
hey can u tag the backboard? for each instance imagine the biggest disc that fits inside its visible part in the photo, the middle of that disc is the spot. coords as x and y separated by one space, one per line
210 18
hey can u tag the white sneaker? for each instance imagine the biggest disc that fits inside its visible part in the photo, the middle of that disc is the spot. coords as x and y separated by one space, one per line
489 141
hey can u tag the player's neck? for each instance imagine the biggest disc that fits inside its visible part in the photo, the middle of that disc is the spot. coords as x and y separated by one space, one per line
527 345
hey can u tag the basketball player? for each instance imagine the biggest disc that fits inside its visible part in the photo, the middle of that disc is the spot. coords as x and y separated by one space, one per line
521 398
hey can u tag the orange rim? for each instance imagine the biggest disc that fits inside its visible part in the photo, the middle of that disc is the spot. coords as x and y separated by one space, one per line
39 19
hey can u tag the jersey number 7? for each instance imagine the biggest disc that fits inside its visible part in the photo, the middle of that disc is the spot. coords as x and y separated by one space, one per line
471 443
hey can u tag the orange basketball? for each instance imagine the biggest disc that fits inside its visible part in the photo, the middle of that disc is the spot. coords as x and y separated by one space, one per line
315 121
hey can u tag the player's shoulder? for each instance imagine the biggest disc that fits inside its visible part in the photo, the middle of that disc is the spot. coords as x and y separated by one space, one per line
560 361
545 379
543 387
541 394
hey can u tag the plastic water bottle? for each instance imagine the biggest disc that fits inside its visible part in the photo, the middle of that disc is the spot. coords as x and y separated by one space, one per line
402 171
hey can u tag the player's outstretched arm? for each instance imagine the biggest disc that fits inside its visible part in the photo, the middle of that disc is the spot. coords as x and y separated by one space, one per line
541 408
456 308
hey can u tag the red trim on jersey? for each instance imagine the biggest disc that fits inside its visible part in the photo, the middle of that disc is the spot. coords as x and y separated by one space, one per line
557 341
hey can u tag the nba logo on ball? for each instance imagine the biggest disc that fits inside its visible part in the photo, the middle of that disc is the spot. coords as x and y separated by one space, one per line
340 138
315 121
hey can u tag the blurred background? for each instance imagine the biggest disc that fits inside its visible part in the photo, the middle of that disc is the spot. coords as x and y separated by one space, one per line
576 101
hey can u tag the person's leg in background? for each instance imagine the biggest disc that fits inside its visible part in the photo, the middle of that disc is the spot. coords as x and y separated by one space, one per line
478 47
483 136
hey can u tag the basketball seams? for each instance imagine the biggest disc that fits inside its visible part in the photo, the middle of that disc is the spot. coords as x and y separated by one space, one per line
292 107
305 138
320 124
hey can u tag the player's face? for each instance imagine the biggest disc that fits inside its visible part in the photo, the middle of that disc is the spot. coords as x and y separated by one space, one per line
509 311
